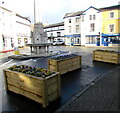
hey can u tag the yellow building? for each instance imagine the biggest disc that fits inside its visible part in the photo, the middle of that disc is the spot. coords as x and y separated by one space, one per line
110 25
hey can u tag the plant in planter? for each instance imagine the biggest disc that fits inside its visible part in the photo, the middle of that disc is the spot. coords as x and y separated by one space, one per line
38 72
64 63
64 56
107 51
106 56
40 85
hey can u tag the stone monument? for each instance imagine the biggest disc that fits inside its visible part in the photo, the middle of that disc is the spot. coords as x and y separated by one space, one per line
39 38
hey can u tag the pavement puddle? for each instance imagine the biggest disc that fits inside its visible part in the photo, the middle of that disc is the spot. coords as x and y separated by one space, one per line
27 60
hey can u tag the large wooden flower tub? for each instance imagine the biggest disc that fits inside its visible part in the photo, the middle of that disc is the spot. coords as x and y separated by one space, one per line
42 89
106 56
64 64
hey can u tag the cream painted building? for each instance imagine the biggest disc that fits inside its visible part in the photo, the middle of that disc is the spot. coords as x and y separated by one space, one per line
14 30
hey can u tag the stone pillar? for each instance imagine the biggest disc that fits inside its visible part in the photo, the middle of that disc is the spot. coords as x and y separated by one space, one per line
31 49
47 49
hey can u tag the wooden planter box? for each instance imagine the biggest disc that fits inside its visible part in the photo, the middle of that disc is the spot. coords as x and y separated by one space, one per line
65 65
109 57
41 90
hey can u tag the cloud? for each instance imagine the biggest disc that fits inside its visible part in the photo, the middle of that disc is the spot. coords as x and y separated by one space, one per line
54 10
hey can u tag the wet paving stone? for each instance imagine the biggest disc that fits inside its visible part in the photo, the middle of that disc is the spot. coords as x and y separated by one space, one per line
71 82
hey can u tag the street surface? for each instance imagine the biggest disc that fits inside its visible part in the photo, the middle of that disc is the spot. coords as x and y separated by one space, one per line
71 82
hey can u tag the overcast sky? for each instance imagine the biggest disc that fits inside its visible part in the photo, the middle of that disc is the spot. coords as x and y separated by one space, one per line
53 11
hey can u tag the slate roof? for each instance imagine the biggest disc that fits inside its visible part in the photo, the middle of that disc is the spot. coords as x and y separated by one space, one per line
78 13
73 14
55 25
110 8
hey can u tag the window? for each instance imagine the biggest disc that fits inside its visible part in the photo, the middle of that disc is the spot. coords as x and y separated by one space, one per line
111 28
82 18
114 40
94 17
111 14
90 17
51 34
70 29
77 19
77 28
58 34
90 40
92 27
69 20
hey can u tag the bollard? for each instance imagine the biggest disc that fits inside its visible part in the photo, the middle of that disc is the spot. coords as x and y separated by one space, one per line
16 51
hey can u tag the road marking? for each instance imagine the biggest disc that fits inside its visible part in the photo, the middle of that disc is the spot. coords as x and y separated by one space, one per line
6 63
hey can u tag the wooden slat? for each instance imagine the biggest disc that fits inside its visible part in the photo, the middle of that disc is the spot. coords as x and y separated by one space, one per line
65 65
29 87
106 57
25 93
37 89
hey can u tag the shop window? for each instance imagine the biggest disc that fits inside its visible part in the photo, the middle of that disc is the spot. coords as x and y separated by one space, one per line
114 40
90 40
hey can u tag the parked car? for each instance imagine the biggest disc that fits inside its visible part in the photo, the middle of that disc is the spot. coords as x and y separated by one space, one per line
59 42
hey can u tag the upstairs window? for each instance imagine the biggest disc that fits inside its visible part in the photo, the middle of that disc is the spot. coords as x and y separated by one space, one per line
111 28
69 20
90 17
58 34
94 17
82 18
77 28
51 34
92 27
70 29
77 19
111 14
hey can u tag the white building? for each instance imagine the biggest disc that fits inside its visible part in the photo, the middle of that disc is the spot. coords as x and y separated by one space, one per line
14 30
90 27
55 32
23 30
83 27
72 23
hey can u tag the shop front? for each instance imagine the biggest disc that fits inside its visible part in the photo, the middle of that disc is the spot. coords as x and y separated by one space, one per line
73 40
111 39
